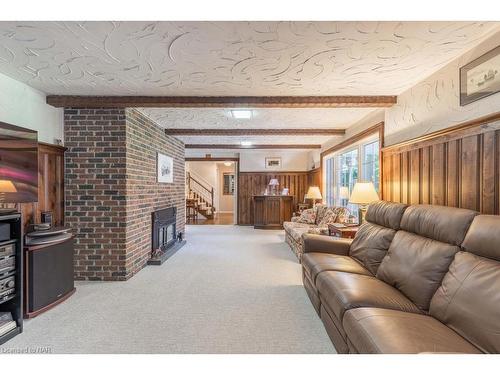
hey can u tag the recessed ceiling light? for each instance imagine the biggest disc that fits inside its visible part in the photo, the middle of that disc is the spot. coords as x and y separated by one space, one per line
246 143
228 163
241 113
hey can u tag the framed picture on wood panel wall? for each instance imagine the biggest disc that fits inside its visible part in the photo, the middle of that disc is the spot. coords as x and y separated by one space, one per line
480 78
273 163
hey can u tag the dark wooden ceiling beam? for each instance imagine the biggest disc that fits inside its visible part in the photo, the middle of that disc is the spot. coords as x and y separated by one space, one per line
254 132
252 147
221 101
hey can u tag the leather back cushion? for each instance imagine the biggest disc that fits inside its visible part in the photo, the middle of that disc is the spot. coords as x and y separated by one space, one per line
386 214
483 237
445 224
370 245
468 301
416 266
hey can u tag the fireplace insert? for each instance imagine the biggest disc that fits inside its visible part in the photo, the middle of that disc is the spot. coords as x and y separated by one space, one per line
164 232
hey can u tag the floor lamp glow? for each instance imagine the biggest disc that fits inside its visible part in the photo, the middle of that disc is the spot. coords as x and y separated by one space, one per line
363 194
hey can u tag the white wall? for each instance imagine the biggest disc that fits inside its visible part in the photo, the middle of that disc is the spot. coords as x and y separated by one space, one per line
210 173
434 103
25 106
366 122
206 172
314 159
226 202
255 160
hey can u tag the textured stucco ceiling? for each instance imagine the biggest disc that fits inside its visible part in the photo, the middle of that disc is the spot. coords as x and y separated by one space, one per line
231 58
262 118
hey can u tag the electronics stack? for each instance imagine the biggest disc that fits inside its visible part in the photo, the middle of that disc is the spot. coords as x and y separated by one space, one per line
11 276
7 271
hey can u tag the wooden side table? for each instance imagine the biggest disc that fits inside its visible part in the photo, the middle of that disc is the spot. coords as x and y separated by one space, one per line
342 232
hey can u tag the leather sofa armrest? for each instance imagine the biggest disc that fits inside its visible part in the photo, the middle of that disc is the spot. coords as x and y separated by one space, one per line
314 243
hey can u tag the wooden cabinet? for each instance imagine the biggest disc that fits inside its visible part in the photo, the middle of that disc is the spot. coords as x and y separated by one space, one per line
270 211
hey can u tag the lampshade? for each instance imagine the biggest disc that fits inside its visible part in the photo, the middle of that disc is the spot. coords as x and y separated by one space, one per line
344 192
7 186
274 182
313 193
364 193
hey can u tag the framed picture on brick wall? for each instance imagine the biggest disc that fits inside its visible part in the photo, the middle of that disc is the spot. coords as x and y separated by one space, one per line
165 166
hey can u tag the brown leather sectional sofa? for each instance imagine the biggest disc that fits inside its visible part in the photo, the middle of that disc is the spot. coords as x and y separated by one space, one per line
414 279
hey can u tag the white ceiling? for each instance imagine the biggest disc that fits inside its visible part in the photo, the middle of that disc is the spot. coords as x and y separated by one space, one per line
235 58
262 118
231 58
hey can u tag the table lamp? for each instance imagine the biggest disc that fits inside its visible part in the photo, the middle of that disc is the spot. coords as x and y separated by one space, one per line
6 186
274 183
363 194
344 192
314 193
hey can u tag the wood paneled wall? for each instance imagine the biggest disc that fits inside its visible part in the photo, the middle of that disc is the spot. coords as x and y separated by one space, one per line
457 167
50 187
314 178
255 183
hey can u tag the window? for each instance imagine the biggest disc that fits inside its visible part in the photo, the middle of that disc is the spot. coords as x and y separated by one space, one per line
370 163
347 176
343 169
228 184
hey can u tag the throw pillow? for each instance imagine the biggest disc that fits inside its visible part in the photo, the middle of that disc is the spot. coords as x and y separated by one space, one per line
329 217
307 216
342 214
320 210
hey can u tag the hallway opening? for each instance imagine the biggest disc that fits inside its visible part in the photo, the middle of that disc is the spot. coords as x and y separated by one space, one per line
211 192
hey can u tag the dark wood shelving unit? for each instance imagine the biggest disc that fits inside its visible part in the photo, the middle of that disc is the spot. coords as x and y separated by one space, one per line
14 304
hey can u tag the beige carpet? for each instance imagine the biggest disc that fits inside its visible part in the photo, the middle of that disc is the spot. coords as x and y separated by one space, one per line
229 290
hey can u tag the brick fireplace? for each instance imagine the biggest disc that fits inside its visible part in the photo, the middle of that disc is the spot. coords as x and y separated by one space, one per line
111 188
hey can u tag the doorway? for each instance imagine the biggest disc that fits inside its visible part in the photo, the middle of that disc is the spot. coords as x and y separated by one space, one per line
211 191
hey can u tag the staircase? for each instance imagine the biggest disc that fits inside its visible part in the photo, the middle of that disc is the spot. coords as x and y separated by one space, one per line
199 197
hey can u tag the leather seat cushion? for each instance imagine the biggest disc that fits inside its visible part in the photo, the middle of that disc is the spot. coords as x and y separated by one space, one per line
343 291
314 263
373 330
